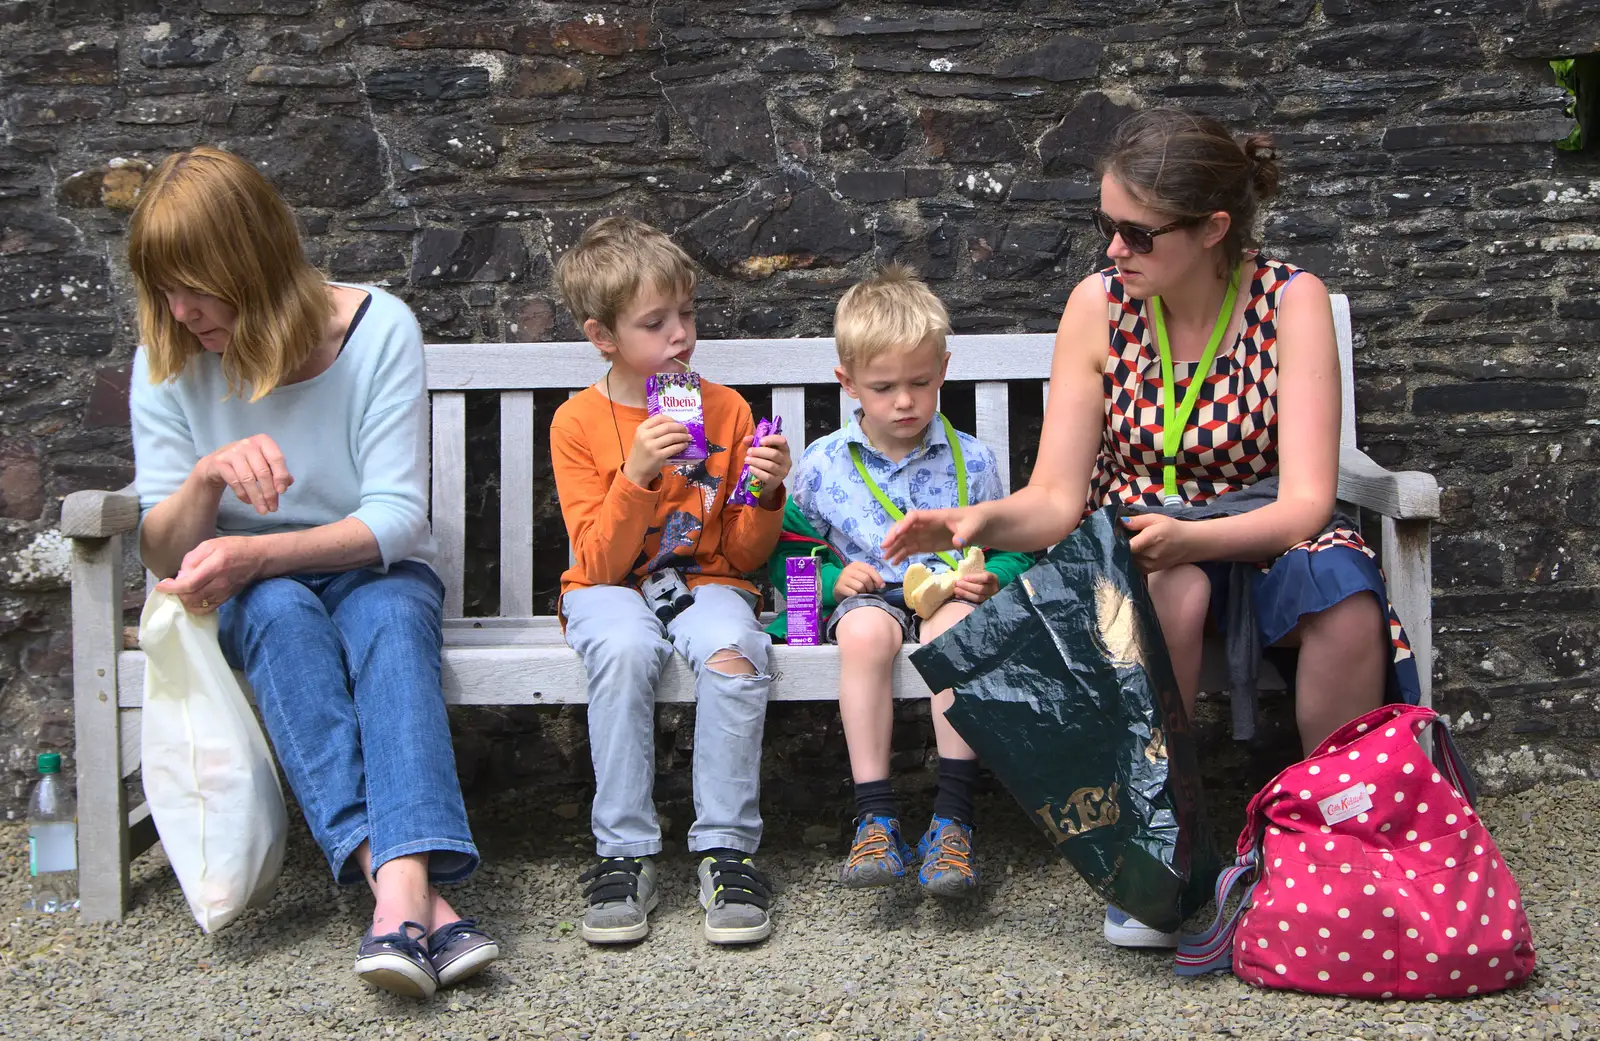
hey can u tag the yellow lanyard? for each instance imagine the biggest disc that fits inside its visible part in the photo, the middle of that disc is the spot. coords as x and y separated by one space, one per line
894 511
1175 416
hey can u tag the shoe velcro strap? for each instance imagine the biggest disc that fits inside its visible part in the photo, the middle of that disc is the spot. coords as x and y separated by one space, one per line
613 879
736 882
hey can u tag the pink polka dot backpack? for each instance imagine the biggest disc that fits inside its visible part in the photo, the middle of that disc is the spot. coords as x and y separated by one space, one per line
1367 874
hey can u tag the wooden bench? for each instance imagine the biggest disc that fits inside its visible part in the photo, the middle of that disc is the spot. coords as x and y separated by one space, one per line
518 657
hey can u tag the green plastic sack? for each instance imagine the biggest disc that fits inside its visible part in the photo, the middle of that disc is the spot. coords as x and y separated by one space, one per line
1064 689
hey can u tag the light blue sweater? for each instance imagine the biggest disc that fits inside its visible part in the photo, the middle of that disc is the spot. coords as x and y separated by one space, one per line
355 437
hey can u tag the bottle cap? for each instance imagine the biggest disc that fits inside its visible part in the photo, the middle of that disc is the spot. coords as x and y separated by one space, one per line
50 763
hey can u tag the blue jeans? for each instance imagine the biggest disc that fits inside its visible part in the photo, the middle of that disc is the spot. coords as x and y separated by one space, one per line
624 648
345 668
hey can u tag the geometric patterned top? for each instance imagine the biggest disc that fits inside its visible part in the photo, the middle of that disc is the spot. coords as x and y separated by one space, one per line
1231 439
1232 436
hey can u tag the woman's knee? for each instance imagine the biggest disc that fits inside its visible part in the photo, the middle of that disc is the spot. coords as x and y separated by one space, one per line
399 604
273 610
945 618
1183 595
1354 623
868 634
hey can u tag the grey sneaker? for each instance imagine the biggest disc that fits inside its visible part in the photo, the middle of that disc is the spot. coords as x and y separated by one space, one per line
736 898
398 962
621 892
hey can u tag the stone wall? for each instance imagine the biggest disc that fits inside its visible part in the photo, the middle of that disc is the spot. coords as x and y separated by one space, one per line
447 150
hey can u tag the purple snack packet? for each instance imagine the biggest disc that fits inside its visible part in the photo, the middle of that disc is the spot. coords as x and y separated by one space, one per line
747 492
804 601
677 395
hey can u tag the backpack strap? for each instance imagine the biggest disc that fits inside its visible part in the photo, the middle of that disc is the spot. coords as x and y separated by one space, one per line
1450 763
1212 950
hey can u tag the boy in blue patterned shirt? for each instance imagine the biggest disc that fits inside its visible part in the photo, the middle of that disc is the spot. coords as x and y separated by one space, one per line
897 454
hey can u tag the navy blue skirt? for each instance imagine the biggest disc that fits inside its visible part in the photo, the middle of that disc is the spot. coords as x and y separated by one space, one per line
1311 578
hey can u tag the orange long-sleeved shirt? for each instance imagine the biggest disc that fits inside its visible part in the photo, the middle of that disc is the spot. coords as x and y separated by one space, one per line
621 532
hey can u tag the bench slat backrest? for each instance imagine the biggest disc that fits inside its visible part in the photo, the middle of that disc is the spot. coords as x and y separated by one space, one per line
517 370
449 503
516 502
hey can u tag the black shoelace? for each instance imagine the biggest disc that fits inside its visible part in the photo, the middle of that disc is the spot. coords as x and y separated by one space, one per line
738 882
613 878
445 934
404 943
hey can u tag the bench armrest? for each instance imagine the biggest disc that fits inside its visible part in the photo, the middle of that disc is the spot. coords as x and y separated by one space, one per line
1406 495
99 514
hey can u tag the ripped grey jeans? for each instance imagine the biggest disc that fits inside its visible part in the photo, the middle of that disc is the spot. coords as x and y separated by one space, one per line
624 648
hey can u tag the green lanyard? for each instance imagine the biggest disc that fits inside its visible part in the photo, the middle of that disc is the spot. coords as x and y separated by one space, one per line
894 511
1175 416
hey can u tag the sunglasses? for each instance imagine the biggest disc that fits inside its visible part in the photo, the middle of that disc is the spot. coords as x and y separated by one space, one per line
1137 239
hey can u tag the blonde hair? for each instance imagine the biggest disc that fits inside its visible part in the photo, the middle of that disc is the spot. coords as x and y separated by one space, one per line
600 276
892 311
209 222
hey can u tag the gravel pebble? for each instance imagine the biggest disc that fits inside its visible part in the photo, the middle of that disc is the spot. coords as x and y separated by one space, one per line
1025 960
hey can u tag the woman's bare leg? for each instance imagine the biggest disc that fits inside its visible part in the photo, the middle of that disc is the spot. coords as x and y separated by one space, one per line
1344 655
1182 597
951 746
403 894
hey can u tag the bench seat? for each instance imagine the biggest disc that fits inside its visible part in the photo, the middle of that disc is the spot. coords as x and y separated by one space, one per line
525 661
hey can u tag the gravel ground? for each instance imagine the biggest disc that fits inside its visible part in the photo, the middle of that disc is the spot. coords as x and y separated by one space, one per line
1025 960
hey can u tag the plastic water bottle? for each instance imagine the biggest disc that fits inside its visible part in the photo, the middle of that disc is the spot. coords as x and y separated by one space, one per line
52 841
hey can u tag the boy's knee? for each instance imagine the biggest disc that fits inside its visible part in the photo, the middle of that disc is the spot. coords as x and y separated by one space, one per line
740 654
625 645
731 662
870 633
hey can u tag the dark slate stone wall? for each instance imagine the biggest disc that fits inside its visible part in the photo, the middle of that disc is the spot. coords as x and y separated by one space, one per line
448 150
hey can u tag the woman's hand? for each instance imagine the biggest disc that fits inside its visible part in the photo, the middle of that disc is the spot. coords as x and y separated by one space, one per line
214 571
254 468
932 531
770 463
1160 542
976 586
857 577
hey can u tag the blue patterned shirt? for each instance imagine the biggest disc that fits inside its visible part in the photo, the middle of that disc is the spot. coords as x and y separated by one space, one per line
839 505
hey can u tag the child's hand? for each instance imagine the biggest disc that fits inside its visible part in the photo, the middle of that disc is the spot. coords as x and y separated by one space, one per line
770 463
976 586
658 439
857 578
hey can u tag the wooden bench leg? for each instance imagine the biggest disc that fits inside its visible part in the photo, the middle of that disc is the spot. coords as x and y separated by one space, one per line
1408 565
102 811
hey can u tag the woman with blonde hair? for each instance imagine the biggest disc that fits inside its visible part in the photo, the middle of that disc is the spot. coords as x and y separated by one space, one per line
280 426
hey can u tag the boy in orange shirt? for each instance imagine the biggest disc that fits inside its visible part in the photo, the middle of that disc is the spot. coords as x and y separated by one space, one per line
638 522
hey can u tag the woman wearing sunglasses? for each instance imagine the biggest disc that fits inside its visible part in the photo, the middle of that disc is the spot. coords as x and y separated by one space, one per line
1193 367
